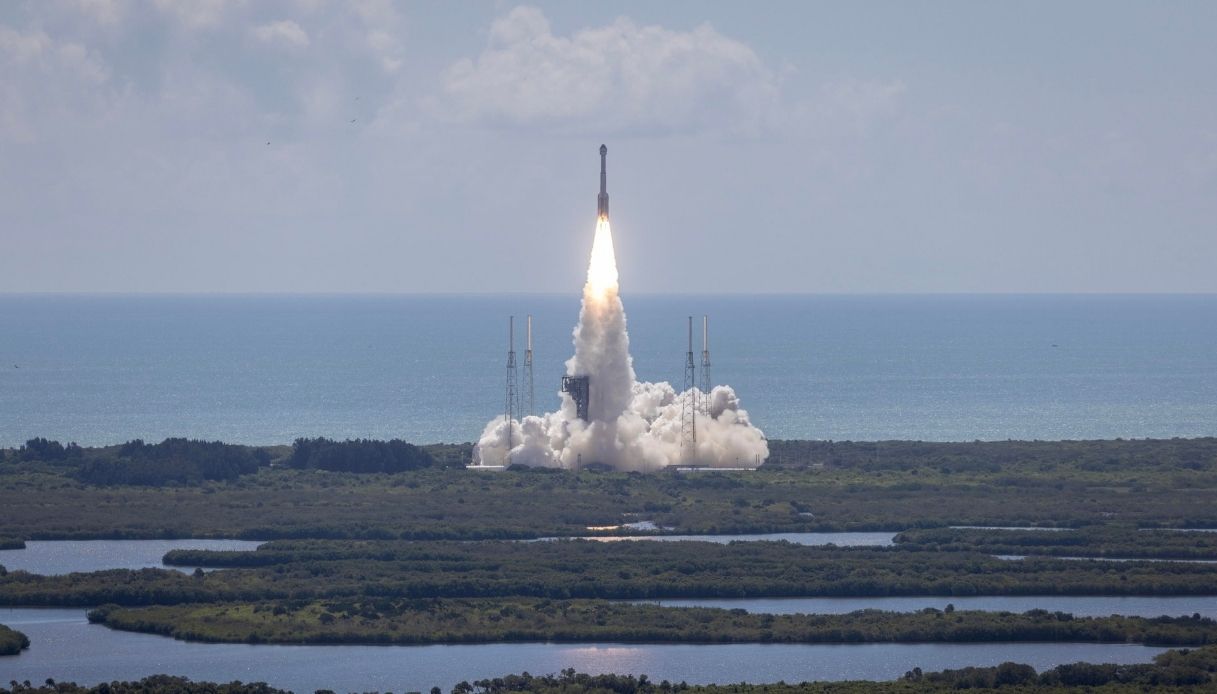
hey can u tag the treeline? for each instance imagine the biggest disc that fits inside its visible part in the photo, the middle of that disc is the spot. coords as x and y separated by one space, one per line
180 461
39 448
588 569
12 641
172 461
358 455
439 503
153 684
994 456
1176 668
380 620
1101 542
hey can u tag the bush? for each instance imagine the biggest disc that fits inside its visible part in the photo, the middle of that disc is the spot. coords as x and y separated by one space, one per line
172 461
358 455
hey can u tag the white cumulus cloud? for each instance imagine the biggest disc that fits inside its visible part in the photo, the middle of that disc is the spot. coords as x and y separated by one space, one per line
197 14
623 77
284 32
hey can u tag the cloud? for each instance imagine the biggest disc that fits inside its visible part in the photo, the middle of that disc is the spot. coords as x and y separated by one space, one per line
45 78
107 12
284 32
197 14
382 24
623 77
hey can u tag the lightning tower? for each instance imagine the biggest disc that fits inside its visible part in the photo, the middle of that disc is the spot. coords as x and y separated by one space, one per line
689 405
528 369
512 407
706 383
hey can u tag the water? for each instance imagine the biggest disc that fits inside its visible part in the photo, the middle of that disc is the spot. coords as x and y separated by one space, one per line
52 557
843 539
105 369
67 648
1006 527
1020 557
67 556
1079 605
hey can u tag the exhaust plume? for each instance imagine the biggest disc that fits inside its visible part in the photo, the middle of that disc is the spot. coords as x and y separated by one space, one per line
631 425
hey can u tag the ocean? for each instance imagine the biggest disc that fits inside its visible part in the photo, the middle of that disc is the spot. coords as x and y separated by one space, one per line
427 368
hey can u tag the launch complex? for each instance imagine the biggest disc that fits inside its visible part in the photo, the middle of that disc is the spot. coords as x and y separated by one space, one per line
607 417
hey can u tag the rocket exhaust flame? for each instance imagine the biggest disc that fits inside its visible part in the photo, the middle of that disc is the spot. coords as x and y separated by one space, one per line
602 268
630 425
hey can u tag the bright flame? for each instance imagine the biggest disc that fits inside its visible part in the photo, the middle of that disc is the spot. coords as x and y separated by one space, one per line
602 269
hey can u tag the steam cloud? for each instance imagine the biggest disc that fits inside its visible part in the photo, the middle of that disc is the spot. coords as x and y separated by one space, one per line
632 425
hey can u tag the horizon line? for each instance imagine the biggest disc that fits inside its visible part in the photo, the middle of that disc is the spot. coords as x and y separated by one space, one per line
498 293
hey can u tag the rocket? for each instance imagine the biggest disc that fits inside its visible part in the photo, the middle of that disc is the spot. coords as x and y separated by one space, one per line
602 199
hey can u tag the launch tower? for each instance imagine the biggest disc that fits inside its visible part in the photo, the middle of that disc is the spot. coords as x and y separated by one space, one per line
512 407
706 383
580 392
528 369
689 405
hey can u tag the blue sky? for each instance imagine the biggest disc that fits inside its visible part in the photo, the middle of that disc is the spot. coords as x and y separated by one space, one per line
753 147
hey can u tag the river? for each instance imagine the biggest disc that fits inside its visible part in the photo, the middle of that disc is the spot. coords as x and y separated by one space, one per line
56 557
1078 605
67 648
841 539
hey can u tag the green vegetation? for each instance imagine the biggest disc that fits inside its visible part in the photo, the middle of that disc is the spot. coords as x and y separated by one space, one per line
997 456
891 485
424 621
1105 541
320 569
12 642
360 455
185 462
364 548
172 461
155 684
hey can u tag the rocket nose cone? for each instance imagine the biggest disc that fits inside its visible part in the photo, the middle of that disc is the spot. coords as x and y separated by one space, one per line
603 150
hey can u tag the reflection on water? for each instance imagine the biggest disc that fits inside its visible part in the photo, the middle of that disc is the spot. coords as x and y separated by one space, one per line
1020 557
1005 527
1081 606
880 539
66 556
67 648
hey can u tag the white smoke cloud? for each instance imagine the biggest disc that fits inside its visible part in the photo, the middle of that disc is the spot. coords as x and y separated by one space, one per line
631 425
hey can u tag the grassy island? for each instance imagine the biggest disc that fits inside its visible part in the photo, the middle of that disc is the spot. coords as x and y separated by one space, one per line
325 569
428 621
1114 541
12 641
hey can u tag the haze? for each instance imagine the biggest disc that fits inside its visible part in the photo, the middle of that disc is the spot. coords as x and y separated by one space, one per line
224 146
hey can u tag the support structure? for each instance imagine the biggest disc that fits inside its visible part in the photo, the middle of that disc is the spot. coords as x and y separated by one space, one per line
706 383
579 388
512 405
528 370
689 405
